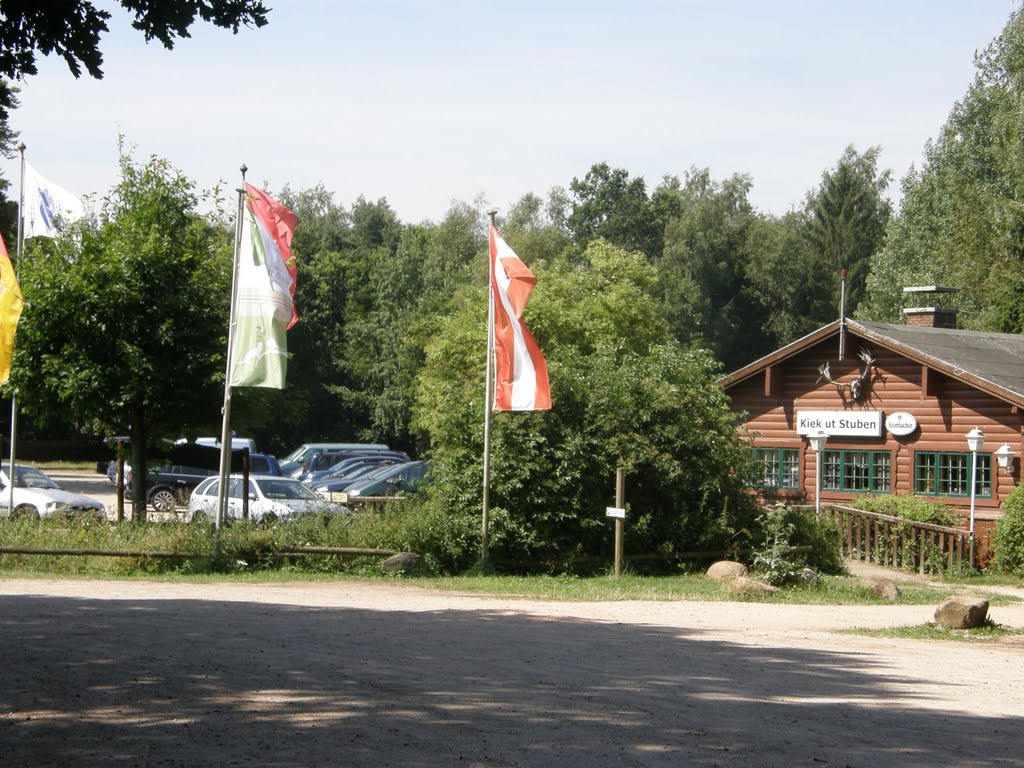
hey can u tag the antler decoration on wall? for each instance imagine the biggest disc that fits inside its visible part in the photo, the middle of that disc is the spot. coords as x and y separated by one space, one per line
857 387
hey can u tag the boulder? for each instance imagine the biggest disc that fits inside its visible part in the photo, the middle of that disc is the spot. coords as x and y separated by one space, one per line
726 570
744 585
884 589
403 562
962 612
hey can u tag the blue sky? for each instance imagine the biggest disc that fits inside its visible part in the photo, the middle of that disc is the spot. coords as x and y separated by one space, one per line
425 103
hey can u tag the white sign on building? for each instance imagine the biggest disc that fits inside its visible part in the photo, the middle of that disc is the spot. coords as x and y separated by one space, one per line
840 423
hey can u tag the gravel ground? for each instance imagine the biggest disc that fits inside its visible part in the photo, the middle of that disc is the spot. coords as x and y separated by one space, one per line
99 673
129 673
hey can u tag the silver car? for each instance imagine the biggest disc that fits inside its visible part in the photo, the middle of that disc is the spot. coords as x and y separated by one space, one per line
37 495
270 498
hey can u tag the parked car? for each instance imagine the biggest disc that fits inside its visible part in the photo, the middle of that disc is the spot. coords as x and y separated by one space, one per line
401 478
332 486
320 464
264 464
295 459
171 485
37 495
344 467
270 498
237 443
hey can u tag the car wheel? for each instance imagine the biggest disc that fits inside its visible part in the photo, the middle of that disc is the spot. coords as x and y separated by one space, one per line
200 518
26 511
268 519
162 500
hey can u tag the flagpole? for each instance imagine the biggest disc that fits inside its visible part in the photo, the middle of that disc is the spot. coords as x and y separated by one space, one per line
488 397
225 433
19 240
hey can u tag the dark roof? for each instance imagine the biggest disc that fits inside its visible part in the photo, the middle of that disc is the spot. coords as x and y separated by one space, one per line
992 362
996 359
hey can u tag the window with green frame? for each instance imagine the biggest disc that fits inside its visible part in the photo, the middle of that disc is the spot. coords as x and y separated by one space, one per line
949 474
857 471
777 468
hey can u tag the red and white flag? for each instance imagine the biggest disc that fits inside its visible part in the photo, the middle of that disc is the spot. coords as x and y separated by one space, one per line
521 375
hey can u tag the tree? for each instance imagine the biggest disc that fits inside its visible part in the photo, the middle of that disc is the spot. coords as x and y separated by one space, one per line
702 270
72 29
961 221
783 281
848 214
394 309
609 204
8 208
624 394
125 323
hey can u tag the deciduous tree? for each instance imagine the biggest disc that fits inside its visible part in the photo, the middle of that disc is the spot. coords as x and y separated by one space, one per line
125 323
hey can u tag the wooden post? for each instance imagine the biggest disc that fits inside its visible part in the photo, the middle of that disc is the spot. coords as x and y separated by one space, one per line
119 481
620 502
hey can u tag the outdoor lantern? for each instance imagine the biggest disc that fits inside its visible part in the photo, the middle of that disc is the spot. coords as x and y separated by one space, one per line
975 439
1005 456
818 440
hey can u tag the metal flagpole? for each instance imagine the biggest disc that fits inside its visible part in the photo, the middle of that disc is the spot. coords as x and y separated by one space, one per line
225 433
20 239
488 397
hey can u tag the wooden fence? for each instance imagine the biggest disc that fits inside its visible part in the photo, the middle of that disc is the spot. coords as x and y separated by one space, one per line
894 542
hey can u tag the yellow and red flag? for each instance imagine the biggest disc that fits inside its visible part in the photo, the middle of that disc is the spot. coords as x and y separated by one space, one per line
11 304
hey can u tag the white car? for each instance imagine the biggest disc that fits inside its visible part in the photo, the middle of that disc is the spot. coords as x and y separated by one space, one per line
36 495
270 498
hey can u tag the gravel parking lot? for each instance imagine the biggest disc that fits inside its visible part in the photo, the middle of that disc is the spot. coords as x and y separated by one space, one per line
128 673
110 673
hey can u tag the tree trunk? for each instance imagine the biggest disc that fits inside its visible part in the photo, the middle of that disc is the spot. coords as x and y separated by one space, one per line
139 440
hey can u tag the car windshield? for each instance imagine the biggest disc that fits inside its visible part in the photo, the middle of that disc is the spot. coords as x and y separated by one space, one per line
30 477
283 488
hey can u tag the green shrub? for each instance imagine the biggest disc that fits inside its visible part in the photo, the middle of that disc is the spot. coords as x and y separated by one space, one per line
1008 542
909 508
448 542
785 529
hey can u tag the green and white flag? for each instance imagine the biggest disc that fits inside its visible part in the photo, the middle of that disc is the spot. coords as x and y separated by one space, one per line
264 305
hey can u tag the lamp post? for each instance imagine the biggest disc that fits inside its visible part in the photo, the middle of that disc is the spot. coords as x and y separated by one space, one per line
817 441
975 439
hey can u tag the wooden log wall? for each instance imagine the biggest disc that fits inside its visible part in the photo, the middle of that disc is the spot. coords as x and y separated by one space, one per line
946 409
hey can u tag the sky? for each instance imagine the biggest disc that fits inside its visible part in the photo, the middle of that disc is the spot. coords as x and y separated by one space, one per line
430 103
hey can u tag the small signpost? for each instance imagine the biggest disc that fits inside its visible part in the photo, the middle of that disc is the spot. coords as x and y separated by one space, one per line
618 512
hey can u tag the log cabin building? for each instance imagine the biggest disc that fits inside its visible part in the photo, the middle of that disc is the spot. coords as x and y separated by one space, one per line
891 407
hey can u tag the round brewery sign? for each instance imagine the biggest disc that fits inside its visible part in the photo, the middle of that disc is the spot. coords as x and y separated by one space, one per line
900 423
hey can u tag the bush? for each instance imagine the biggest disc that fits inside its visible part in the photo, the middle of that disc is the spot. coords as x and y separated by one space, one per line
1008 543
909 508
784 529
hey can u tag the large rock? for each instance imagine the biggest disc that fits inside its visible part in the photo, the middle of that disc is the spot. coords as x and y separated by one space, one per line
962 612
726 570
403 562
744 585
884 589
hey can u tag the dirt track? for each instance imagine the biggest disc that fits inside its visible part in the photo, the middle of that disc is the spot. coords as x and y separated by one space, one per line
128 673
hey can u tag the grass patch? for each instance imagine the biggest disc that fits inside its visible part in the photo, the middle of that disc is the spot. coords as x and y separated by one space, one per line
931 631
250 553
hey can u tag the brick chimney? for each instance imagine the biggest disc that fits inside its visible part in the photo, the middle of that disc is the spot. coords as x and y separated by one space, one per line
929 316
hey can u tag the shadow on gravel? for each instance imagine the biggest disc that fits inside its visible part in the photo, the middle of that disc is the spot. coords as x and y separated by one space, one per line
205 683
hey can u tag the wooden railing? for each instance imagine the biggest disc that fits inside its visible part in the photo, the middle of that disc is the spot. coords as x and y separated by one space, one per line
894 542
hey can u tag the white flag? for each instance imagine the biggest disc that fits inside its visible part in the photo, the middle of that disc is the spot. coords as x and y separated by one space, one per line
48 207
